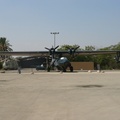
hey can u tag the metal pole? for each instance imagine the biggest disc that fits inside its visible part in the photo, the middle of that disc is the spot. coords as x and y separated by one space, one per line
54 33
54 40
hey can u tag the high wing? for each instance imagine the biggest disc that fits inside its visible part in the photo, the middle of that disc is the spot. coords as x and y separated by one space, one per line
25 53
97 52
47 53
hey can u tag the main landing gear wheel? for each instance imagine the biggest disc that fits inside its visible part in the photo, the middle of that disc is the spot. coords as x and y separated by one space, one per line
71 69
63 69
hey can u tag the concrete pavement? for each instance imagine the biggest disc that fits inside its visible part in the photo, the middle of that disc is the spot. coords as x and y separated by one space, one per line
60 96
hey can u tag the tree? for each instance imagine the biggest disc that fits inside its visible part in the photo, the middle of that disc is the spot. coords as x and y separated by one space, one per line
107 61
89 48
66 47
5 45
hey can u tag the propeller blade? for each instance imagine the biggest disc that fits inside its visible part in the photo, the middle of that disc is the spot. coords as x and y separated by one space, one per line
47 48
77 47
56 47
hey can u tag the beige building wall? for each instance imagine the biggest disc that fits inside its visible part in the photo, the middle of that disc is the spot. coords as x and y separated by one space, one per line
83 65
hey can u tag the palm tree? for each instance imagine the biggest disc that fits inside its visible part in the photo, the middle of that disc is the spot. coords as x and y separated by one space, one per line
5 45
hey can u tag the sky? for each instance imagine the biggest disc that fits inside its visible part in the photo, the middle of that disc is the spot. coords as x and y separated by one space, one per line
27 24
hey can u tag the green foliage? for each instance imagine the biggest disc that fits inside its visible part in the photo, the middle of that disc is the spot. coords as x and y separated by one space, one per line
5 45
112 47
90 48
66 47
108 61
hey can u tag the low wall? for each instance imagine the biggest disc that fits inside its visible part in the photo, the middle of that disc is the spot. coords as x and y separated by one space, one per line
83 65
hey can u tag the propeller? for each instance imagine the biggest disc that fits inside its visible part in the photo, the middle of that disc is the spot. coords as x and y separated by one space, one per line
72 50
52 53
52 50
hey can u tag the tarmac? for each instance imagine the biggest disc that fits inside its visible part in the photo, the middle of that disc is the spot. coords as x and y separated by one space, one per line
60 96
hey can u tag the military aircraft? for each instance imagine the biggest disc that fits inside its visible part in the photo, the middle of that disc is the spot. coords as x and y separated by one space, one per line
60 62
56 59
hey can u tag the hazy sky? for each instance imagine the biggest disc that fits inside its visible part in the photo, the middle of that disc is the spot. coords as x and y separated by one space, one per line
27 23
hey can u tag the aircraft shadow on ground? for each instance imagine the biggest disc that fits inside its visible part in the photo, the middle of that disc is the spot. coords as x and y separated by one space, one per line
89 86
3 80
